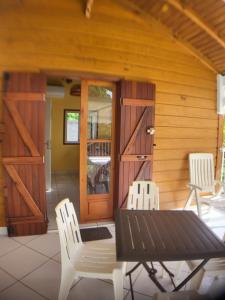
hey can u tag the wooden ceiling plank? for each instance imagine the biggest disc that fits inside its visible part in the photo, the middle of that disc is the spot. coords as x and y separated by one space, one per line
216 12
145 17
186 26
192 16
200 5
212 50
89 8
173 21
191 36
156 8
204 43
206 10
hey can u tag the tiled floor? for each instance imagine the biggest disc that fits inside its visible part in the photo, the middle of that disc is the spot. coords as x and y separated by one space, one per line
63 186
30 269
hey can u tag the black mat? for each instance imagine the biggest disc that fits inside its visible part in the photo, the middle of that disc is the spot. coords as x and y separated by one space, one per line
96 233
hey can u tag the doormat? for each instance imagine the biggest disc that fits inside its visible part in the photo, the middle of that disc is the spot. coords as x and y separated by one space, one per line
96 233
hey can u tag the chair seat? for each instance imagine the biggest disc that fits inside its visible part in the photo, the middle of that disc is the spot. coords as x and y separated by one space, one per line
216 200
96 258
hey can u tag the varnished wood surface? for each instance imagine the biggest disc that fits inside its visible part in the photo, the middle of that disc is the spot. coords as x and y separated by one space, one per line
142 50
23 151
134 145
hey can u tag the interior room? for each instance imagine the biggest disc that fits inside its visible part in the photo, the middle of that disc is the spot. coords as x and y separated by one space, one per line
62 144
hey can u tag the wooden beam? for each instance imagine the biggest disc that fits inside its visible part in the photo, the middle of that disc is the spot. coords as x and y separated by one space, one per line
88 8
22 129
135 157
24 97
189 13
23 191
137 102
135 133
145 17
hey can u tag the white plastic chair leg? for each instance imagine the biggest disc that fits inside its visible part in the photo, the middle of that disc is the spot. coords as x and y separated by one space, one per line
199 208
65 285
189 200
179 267
118 284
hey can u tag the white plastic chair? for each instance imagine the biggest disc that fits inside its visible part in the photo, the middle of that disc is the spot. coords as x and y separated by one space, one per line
143 195
214 268
91 260
201 170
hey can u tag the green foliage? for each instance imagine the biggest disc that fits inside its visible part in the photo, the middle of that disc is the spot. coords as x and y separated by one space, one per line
99 91
72 116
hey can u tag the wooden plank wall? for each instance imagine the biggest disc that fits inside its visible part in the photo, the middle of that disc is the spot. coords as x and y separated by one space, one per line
55 35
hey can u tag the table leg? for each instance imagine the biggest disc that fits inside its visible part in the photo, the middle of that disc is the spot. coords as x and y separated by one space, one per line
130 279
151 273
171 275
191 275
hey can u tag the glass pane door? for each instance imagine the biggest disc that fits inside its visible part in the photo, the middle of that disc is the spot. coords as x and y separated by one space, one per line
99 139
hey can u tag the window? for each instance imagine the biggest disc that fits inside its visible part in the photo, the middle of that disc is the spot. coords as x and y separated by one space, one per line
71 126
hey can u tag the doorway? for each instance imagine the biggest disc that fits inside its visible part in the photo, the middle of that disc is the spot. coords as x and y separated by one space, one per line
24 154
62 144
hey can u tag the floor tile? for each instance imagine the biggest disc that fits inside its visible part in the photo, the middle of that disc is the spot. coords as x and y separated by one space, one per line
134 276
45 280
19 291
57 257
93 289
25 239
21 261
47 244
7 245
145 286
5 280
137 296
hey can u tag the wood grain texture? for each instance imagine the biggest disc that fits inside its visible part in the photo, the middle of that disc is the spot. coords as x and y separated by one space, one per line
134 145
185 89
23 150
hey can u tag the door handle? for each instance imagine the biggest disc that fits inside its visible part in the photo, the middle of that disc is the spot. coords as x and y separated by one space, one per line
142 157
150 130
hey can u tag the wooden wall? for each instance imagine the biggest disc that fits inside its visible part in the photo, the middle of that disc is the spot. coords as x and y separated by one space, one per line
54 35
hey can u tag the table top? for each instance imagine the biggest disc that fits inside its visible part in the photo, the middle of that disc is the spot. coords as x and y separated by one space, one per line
164 235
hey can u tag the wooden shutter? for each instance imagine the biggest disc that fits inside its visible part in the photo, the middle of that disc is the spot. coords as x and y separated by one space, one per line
134 135
23 153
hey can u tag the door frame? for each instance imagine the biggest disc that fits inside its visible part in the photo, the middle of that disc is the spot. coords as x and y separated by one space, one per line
84 198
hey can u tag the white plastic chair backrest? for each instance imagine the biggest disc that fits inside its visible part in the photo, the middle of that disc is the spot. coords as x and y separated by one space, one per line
201 171
69 232
143 195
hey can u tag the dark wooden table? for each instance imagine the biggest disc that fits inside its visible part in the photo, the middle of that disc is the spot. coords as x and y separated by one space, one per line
159 235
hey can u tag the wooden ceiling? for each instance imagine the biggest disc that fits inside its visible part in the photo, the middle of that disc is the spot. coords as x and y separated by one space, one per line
199 24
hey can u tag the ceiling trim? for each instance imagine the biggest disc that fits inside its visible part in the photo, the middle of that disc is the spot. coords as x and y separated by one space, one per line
189 13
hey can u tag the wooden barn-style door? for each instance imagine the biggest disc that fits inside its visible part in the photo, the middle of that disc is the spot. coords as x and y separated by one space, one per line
23 153
134 135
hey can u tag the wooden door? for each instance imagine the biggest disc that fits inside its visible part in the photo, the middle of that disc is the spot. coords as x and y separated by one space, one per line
96 150
23 153
134 135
